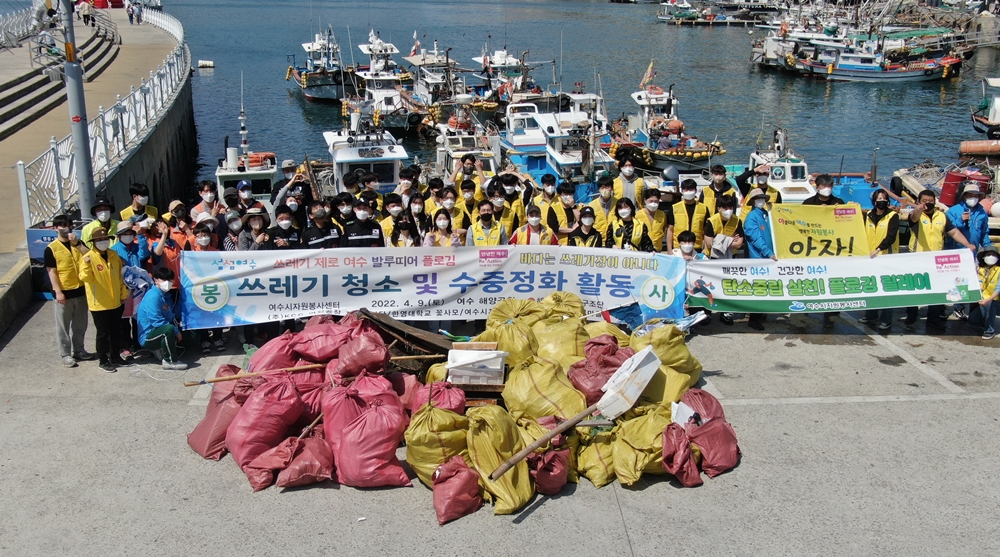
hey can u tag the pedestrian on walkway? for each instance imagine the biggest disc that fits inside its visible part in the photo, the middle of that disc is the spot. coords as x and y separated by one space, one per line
62 261
156 316
131 13
138 14
101 273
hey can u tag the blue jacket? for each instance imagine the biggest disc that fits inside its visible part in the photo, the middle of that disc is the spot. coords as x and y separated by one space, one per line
757 229
155 310
976 231
135 254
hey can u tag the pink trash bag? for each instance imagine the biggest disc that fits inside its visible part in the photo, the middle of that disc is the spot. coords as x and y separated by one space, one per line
406 386
370 386
549 470
677 457
604 357
276 353
444 394
366 352
717 442
341 406
706 405
456 490
263 421
321 342
366 455
209 437
261 470
313 463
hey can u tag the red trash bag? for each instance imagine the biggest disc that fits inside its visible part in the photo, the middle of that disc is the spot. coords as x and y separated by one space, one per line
313 463
456 490
322 342
352 320
549 470
444 394
371 386
264 420
717 442
276 353
706 405
366 455
366 352
341 406
245 386
317 320
677 457
312 398
261 470
604 357
209 437
308 377
405 385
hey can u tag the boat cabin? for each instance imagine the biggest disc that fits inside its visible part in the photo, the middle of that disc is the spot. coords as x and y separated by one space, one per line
523 129
986 117
260 169
360 151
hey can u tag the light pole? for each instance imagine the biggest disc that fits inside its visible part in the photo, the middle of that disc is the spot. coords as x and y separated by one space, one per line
77 115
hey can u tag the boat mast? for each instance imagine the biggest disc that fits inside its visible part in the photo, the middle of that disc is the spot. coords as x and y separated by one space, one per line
243 121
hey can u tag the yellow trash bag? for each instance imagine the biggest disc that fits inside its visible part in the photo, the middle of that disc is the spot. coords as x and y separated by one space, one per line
436 374
532 430
433 437
638 445
597 328
539 388
493 438
561 304
679 370
595 459
512 309
514 337
561 340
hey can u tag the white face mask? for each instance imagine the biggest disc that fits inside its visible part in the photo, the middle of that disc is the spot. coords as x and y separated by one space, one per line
467 195
726 213
760 203
345 210
395 210
533 221
825 192
567 199
235 226
103 216
587 221
102 245
442 224
203 240
208 197
628 171
448 204
126 238
990 260
256 224
416 208
284 224
142 200
245 194
972 202
498 202
606 193
624 212
289 175
361 215
687 248
549 189
688 195
718 178
292 205
164 286
405 184
509 189
652 206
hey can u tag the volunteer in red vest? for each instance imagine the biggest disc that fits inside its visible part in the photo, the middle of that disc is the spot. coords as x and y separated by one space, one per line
101 273
687 215
486 231
534 233
62 260
563 215
626 232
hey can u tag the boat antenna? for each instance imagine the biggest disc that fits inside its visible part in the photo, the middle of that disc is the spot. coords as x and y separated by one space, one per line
875 165
243 121
350 42
560 61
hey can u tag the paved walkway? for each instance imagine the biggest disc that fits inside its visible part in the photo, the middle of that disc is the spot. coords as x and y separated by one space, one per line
143 49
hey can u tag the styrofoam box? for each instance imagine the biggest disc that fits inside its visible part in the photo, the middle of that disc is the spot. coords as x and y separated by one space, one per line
476 367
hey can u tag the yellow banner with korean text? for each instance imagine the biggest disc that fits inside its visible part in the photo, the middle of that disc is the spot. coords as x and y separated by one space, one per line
818 230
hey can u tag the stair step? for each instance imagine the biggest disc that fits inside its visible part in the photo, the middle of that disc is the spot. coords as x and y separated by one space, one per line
101 66
29 102
42 108
26 87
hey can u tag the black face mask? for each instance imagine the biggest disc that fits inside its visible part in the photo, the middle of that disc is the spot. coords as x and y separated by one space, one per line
405 226
486 218
882 205
180 214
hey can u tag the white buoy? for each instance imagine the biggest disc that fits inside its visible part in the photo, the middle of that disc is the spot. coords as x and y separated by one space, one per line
206 64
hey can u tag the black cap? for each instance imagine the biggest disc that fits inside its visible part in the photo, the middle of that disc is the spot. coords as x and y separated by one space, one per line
98 202
587 211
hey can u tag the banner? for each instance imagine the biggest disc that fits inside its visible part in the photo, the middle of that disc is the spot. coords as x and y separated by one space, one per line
818 230
834 284
225 289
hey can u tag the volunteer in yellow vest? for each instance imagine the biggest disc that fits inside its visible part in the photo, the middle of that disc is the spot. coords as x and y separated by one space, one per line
534 233
548 195
406 187
421 221
604 205
628 184
723 231
585 235
101 273
404 233
459 220
469 201
470 169
62 260
140 204
369 182
654 219
101 211
882 226
443 235
757 178
626 232
432 199
393 208
719 187
928 227
687 215
989 285
516 198
563 215
486 231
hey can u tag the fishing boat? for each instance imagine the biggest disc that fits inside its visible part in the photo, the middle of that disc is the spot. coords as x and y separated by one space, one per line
361 148
323 76
671 8
259 168
847 65
463 134
986 116
386 98
438 78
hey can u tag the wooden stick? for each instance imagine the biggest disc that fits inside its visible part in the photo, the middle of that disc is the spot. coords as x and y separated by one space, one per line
391 344
523 453
418 357
311 426
255 374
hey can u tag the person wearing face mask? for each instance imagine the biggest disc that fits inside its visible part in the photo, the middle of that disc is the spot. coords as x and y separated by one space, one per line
211 223
502 212
548 195
393 209
210 203
234 224
365 231
101 273
972 221
289 173
757 227
688 215
534 233
459 219
245 190
685 248
182 230
442 235
882 228
604 204
421 220
344 213
486 231
254 235
297 195
989 285
166 250
157 318
62 259
628 184
369 183
140 204
563 216
468 202
654 219
626 232
724 230
516 199
824 192
374 202
101 211
284 234
432 198
404 233
586 235
231 199
719 187
405 188
928 229
756 178
469 169
133 249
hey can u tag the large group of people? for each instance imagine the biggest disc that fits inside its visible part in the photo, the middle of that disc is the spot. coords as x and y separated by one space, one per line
467 208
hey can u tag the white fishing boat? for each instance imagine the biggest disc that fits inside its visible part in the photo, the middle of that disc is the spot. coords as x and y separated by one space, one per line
386 99
365 147
438 78
259 168
323 76
463 135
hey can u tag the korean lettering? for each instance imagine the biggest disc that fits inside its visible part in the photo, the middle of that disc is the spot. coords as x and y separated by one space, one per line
426 284
357 285
248 288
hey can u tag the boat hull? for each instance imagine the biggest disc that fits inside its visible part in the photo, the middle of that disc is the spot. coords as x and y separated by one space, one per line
325 86
872 76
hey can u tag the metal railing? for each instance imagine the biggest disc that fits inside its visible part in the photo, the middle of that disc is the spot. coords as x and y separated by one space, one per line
48 183
15 27
45 50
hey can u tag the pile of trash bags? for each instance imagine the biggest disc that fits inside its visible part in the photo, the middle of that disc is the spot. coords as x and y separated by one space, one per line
344 419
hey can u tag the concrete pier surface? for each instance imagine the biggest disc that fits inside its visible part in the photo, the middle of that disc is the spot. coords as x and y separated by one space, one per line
854 443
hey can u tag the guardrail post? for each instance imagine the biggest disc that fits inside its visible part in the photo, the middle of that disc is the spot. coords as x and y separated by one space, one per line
23 182
104 136
60 198
135 113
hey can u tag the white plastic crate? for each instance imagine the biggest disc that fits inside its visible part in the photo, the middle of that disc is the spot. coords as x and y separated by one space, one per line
476 367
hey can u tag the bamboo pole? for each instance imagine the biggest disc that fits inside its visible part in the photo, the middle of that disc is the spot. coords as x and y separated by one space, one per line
255 374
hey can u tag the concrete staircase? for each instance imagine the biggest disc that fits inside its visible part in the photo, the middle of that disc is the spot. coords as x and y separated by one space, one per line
30 96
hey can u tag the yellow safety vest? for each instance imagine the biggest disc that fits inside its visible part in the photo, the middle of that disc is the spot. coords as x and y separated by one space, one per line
560 210
103 279
930 234
878 232
388 225
539 200
67 265
772 198
620 189
480 237
602 220
129 212
710 198
443 240
656 228
544 236
638 229
988 278
472 211
698 226
727 229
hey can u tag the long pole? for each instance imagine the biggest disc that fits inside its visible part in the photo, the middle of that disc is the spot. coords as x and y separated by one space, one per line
77 114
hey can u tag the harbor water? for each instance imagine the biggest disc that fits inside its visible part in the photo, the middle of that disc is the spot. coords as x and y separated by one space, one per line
603 45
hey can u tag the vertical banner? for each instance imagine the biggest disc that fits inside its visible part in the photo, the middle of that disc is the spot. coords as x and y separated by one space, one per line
224 289
818 230
834 283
